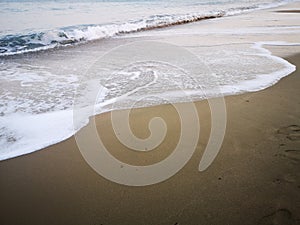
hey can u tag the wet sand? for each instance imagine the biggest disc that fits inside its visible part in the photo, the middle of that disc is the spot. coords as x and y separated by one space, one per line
253 180
288 11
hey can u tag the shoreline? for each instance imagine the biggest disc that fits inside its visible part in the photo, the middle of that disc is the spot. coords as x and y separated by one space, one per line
262 46
253 179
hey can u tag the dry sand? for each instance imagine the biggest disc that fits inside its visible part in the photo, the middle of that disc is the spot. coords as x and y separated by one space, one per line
254 179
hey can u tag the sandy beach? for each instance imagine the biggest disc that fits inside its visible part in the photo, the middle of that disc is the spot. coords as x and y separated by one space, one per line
254 179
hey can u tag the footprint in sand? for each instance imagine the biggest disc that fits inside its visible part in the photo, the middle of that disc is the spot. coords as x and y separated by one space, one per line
292 146
291 132
292 154
279 217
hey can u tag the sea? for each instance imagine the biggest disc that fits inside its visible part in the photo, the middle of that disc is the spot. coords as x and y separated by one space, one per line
50 50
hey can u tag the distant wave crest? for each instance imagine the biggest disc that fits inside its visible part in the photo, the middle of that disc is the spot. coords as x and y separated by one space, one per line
22 43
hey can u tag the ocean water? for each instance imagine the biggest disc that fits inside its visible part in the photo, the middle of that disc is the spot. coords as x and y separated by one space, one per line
35 25
48 47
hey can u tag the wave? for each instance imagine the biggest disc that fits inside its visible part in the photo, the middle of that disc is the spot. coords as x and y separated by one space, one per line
16 44
32 42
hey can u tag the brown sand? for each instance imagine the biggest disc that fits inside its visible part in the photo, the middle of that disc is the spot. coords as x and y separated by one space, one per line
254 179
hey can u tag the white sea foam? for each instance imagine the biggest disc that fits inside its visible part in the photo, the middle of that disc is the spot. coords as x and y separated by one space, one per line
44 123
25 133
